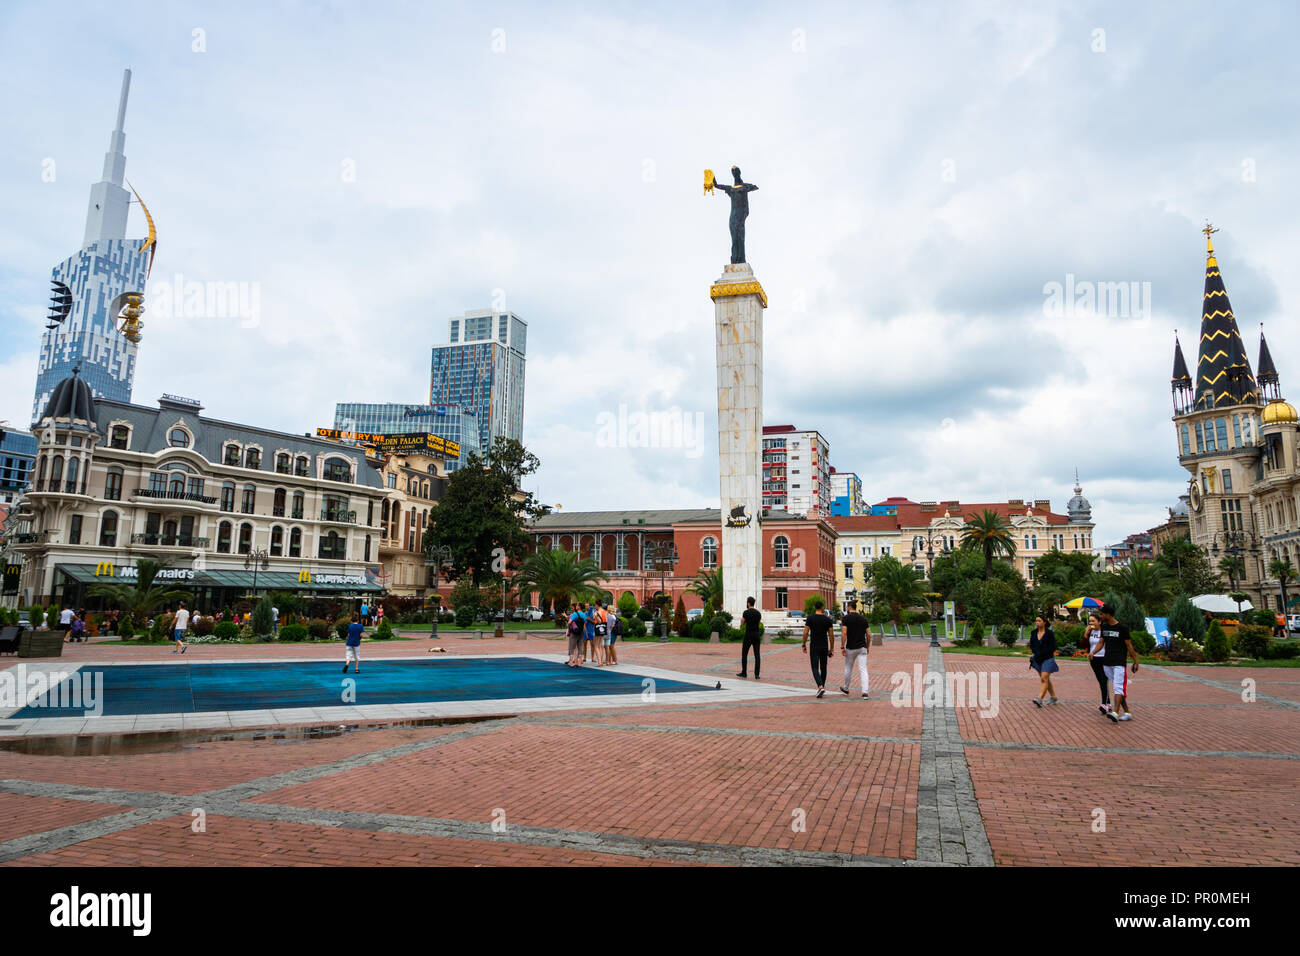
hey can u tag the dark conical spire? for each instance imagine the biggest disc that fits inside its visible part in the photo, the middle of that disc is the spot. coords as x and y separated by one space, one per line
1181 381
1223 375
1269 383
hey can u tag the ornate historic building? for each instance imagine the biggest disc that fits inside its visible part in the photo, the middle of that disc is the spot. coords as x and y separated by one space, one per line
115 482
1238 439
415 484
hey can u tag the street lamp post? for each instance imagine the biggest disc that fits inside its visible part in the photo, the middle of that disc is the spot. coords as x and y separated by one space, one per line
437 558
257 558
663 555
1235 544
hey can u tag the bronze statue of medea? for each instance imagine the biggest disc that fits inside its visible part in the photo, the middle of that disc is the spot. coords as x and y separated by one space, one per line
739 194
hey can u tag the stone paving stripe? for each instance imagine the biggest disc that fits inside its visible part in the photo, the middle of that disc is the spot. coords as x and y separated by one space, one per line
80 832
1225 685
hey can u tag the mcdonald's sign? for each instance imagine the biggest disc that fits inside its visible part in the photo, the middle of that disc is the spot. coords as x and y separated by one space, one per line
104 568
304 577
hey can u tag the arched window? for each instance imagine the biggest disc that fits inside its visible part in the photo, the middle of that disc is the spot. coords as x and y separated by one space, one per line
782 548
1030 567
300 466
223 537
282 463
56 473
250 496
333 547
297 505
176 485
178 438
108 530
338 469
278 508
383 512
245 538
112 483
40 473
295 543
367 557
277 541
72 473
119 437
231 455
253 458
710 549
228 496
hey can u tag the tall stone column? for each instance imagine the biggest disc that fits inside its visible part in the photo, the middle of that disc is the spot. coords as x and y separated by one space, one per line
738 303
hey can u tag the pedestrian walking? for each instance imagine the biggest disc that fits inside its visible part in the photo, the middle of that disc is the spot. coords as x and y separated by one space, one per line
1097 660
752 618
65 621
365 612
1117 645
352 646
180 625
819 629
275 620
1042 645
855 637
78 630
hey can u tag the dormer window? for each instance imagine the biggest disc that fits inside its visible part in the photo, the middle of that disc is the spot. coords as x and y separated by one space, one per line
253 458
300 466
178 438
282 463
119 437
231 455
338 469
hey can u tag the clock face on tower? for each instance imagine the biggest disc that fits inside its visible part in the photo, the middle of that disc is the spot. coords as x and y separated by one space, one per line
1194 496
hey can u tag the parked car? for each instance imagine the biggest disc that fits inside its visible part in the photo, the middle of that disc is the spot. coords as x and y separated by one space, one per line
694 614
24 620
1293 622
529 613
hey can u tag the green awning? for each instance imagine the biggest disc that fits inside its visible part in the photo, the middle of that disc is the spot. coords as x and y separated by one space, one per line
323 582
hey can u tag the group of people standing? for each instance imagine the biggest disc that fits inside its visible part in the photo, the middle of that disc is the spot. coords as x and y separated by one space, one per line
1110 647
593 632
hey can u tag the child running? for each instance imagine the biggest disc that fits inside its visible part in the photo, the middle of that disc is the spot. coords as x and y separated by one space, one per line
353 647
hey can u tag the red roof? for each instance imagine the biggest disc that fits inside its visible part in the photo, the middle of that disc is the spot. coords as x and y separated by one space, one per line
910 514
778 429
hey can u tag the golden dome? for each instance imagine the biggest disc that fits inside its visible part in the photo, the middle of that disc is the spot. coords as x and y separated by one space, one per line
1278 412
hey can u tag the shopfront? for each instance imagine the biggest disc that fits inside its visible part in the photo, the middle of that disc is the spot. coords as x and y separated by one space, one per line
210 589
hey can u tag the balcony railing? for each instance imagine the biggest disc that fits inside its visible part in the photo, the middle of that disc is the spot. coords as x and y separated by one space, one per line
61 486
277 512
174 495
170 540
297 513
339 515
31 537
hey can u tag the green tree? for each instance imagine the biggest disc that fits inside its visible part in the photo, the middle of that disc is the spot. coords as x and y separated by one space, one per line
1146 582
994 602
1129 614
1233 567
1285 573
262 621
1070 571
680 624
707 585
1216 643
627 605
484 511
1190 567
558 576
991 535
1187 619
898 585
142 598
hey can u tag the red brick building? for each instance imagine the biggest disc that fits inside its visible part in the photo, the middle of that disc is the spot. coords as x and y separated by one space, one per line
798 553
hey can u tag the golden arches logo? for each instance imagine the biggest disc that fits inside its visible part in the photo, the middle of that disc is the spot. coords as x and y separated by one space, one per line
304 577
104 568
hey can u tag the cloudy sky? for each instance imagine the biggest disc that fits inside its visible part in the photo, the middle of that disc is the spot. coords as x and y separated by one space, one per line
926 170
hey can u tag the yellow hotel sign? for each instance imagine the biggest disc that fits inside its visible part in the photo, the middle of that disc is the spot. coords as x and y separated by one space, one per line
418 442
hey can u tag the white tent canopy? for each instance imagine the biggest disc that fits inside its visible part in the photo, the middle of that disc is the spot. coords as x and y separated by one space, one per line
1219 604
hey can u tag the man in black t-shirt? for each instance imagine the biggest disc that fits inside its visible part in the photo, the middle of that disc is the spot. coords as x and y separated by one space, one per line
1116 646
855 632
823 644
753 638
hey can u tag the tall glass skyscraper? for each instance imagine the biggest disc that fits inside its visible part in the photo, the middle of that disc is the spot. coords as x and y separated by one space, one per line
453 422
482 368
90 289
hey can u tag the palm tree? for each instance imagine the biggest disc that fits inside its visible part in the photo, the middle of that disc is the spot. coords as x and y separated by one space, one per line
900 585
991 534
708 585
1147 582
1285 573
142 598
1234 567
558 576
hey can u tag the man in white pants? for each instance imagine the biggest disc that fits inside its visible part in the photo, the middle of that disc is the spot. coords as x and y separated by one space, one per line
855 632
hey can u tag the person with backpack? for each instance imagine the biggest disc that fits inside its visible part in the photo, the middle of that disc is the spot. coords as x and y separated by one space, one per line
615 632
599 627
576 632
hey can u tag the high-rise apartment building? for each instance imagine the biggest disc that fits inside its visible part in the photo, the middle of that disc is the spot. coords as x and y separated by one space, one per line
482 368
796 471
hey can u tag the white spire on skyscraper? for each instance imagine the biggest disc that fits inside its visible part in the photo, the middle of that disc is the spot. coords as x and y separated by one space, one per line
109 202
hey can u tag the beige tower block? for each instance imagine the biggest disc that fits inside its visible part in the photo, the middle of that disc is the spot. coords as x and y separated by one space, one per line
738 302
